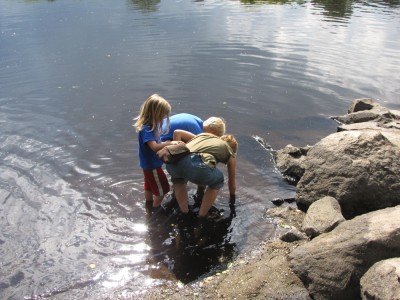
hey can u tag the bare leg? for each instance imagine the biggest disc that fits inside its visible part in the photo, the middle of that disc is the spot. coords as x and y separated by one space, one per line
208 200
148 195
154 200
198 197
182 196
200 189
157 200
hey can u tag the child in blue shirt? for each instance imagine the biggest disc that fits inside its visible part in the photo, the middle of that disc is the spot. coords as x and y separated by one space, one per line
149 127
193 124
182 121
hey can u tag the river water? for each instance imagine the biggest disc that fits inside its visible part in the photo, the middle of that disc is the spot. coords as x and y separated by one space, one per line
74 74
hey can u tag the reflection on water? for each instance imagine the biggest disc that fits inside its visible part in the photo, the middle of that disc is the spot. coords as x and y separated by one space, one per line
145 6
72 213
335 9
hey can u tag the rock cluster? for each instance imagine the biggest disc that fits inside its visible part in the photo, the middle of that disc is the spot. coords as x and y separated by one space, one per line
349 186
344 243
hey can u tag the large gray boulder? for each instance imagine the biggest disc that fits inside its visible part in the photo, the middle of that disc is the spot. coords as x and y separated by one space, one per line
382 281
332 264
322 216
359 168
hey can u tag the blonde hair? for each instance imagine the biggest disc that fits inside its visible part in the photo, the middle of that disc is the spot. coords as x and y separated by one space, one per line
232 142
214 125
152 113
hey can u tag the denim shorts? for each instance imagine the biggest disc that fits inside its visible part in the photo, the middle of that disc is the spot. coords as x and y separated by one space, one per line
192 168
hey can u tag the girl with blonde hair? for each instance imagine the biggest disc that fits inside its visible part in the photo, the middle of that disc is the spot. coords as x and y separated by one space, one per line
149 128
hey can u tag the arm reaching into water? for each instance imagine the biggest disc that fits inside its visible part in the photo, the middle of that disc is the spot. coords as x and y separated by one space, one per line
183 135
231 164
232 176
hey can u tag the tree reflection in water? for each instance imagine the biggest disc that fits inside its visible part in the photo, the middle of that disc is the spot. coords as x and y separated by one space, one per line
145 5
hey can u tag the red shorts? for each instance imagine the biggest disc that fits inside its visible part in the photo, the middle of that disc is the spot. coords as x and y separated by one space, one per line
156 181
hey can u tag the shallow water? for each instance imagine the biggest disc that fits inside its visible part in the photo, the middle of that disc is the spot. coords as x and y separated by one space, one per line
73 75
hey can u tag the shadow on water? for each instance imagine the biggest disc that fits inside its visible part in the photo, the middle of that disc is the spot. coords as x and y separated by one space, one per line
187 250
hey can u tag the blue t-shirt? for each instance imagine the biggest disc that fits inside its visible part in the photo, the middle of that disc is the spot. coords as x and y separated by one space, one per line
148 159
182 121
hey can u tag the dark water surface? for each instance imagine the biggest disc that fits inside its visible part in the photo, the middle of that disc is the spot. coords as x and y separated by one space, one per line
74 73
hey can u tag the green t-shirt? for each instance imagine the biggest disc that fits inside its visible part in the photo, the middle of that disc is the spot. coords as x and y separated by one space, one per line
211 149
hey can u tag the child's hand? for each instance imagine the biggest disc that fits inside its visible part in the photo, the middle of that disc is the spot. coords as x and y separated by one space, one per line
176 142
